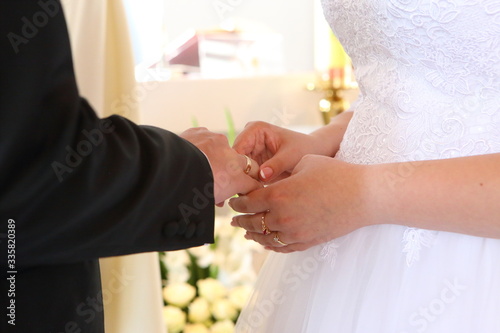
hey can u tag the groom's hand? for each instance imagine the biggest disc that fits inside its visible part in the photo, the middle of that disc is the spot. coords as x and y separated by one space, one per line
233 173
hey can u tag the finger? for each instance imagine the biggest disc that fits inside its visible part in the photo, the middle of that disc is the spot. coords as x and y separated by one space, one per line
286 249
292 247
254 202
277 165
226 185
252 222
284 175
246 141
248 185
249 166
269 240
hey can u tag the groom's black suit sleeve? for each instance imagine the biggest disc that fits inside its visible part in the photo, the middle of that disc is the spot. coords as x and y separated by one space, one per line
81 187
76 187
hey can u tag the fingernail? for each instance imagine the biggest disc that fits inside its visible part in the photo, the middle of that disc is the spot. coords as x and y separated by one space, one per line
233 223
266 173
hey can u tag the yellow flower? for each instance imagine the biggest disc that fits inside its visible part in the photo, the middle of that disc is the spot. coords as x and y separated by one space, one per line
226 326
199 310
196 328
175 319
179 294
240 295
223 309
211 289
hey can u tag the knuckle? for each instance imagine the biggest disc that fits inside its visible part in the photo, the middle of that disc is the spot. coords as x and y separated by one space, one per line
256 124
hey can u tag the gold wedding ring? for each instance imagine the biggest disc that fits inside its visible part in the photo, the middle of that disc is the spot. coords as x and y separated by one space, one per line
278 240
248 167
265 229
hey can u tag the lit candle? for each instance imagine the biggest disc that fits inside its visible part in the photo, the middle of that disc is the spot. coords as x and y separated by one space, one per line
338 57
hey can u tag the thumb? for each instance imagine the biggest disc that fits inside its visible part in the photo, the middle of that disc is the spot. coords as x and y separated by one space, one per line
276 166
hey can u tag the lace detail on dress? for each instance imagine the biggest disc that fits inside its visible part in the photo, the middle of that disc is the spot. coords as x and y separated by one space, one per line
429 79
329 253
414 239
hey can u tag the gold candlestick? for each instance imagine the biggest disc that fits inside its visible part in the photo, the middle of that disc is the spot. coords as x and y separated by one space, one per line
334 85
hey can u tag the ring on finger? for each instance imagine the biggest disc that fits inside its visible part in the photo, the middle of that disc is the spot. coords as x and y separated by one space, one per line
265 229
278 240
248 167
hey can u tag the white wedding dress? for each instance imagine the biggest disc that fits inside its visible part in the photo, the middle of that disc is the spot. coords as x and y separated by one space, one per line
429 75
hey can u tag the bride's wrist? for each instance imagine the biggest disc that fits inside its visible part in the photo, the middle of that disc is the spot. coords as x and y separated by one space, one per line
329 137
379 194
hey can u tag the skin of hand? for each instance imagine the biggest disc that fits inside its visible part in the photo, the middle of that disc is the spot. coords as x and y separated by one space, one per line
278 150
324 198
228 166
327 198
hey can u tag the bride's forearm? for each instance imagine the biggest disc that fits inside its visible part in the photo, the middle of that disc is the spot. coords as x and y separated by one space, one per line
331 135
459 195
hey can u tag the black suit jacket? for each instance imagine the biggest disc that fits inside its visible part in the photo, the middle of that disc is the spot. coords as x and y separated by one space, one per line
73 187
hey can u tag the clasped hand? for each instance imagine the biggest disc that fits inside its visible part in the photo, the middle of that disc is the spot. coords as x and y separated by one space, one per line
317 198
233 172
310 197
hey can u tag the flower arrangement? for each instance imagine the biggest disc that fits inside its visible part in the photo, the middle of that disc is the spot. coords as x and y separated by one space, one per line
206 287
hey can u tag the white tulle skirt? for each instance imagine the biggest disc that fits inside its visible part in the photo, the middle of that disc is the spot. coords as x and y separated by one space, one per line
387 279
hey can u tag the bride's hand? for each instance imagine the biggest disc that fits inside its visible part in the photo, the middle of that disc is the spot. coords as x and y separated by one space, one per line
276 149
323 199
233 173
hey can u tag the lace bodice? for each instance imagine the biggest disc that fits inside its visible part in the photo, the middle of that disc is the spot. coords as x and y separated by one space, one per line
429 77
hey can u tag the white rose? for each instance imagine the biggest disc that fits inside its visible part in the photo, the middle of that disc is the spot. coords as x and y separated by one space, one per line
239 296
177 263
199 310
203 254
226 326
223 309
196 328
211 289
179 294
175 319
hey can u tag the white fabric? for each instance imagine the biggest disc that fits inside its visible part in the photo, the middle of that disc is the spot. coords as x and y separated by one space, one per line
429 75
104 70
103 57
